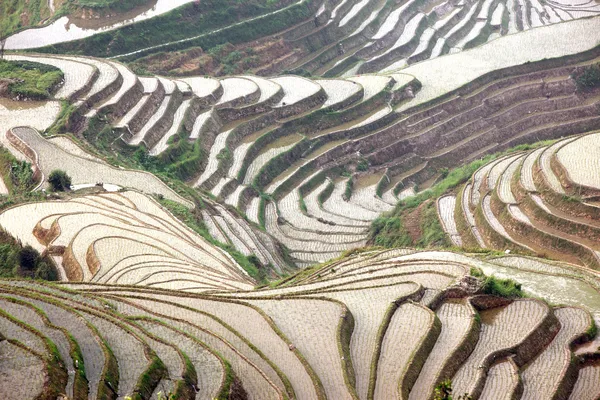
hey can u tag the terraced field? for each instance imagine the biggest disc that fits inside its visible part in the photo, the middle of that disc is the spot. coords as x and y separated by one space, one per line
100 340
216 241
125 238
315 161
538 202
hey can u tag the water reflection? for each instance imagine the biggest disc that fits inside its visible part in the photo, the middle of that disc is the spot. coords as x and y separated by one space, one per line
70 28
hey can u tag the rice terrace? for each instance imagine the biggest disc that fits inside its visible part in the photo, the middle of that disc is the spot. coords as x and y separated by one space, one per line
300 199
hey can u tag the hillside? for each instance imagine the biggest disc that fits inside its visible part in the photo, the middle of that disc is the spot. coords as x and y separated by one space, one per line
312 199
329 332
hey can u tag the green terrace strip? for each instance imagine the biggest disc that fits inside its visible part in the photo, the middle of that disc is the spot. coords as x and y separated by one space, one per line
25 80
182 25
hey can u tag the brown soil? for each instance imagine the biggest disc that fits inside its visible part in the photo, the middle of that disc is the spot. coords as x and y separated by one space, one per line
412 222
4 83
196 61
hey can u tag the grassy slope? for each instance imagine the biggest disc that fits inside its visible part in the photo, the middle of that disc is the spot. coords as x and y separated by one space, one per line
18 14
115 5
33 81
187 21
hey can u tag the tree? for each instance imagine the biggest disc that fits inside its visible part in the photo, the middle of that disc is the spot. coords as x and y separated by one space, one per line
59 181
28 258
46 272
2 44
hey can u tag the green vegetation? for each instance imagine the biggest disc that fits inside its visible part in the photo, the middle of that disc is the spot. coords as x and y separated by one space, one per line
502 287
61 125
20 176
24 262
389 232
116 5
28 80
189 21
498 287
19 14
589 78
59 181
432 232
389 229
443 391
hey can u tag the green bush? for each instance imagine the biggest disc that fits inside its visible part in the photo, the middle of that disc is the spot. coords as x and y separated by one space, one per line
59 180
502 287
28 258
589 78
46 272
21 175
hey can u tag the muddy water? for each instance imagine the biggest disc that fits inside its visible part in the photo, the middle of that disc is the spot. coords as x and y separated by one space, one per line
281 142
555 289
365 181
488 317
68 28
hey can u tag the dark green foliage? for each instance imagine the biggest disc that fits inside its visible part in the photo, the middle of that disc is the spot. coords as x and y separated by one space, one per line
59 180
28 258
30 80
8 257
46 272
589 78
502 287
362 165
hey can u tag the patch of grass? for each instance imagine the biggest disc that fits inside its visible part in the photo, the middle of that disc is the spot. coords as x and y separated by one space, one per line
29 80
61 125
18 14
497 286
592 331
302 204
148 381
115 5
502 287
389 232
433 235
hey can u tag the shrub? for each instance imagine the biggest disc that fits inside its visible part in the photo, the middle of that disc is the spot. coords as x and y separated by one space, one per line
21 175
443 391
589 78
28 258
46 272
59 180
